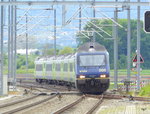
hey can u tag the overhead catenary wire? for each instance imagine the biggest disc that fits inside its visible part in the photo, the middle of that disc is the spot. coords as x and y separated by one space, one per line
31 27
31 19
95 31
98 27
26 12
111 20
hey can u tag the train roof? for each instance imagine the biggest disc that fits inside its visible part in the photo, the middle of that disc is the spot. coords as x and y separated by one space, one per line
91 45
59 57
87 47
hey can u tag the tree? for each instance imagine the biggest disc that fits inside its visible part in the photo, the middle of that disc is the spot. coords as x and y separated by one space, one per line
122 40
66 50
21 61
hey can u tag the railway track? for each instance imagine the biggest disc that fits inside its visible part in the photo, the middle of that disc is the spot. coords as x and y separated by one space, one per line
18 101
96 105
80 103
69 106
24 104
75 103
34 85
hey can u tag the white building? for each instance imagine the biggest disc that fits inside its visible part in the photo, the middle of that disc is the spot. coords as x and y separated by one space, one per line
30 51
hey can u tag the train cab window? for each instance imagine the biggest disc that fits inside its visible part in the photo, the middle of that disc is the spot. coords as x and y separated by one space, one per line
57 67
48 67
39 67
71 67
92 60
65 67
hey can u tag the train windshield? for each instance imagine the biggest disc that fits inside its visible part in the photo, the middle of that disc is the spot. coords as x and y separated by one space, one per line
92 60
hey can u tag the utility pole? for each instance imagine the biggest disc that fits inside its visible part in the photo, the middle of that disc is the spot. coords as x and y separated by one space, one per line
9 39
138 46
14 41
55 33
128 44
80 14
64 15
26 43
12 46
115 36
1 50
94 17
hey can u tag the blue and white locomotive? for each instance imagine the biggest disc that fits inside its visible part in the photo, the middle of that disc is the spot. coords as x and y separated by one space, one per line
88 69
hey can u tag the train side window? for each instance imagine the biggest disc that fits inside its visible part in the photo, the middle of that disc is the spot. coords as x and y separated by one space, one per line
57 67
39 67
71 67
65 67
48 67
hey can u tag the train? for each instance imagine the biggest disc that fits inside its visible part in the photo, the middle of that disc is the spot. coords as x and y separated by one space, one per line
88 69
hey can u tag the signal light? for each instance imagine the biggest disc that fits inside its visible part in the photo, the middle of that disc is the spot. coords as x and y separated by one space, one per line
147 21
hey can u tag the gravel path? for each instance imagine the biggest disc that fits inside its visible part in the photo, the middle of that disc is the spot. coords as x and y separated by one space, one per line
123 107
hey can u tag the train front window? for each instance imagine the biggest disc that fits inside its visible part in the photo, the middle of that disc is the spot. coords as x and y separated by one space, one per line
92 60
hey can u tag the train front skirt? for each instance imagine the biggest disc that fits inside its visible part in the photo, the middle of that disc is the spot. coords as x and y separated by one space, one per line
92 85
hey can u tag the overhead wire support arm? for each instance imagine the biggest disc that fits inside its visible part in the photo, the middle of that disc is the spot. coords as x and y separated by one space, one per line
30 20
23 15
112 20
85 35
111 3
98 27
75 14
95 30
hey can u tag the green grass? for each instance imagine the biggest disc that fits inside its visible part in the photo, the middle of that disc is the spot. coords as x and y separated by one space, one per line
111 86
23 71
145 91
123 72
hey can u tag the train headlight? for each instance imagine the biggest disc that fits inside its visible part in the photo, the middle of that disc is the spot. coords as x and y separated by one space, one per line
82 76
103 76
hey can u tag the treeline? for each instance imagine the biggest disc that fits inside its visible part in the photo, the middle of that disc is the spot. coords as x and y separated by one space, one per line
105 40
21 59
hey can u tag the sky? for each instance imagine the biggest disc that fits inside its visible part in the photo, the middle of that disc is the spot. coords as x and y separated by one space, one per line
41 22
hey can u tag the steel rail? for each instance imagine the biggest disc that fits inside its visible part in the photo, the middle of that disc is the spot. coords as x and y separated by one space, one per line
30 105
31 87
69 106
95 106
18 101
112 3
